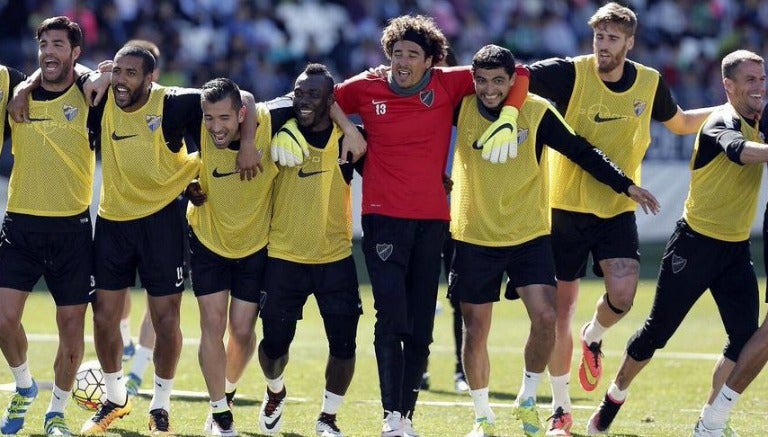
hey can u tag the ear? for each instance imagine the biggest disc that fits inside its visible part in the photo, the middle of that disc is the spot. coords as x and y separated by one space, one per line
728 85
241 114
76 53
630 42
429 62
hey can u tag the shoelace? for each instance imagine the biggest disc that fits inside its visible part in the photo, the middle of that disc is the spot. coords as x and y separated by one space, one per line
330 420
596 351
272 404
57 422
104 411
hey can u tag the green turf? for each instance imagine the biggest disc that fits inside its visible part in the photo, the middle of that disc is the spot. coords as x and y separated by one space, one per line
664 401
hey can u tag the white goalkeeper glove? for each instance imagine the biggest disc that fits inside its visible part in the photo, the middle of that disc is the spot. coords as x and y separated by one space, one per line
499 141
288 145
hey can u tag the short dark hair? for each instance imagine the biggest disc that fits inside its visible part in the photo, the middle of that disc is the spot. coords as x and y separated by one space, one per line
74 33
732 60
151 48
492 56
320 70
420 29
218 89
148 61
614 13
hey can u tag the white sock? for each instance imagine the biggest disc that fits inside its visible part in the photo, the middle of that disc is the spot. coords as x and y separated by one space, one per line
560 396
162 395
331 402
275 385
716 415
482 404
125 330
530 385
617 394
59 399
594 332
22 375
141 360
229 387
115 385
219 406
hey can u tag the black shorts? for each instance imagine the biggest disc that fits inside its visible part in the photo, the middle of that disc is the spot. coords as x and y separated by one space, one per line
63 258
243 277
153 245
575 235
287 285
477 271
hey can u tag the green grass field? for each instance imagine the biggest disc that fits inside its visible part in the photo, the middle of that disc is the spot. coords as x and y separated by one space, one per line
664 401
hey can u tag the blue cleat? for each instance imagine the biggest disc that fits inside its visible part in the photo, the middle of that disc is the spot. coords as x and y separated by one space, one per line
129 351
13 419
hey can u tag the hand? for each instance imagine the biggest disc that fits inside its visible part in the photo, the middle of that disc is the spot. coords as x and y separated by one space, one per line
248 162
645 199
447 184
499 141
353 143
195 194
96 87
105 66
288 145
382 71
18 105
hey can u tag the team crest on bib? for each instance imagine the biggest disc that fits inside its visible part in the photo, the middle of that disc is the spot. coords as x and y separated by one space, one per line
384 250
70 112
427 97
154 122
522 135
639 107
678 263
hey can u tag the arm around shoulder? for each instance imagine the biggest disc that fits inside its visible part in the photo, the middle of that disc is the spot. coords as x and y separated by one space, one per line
689 121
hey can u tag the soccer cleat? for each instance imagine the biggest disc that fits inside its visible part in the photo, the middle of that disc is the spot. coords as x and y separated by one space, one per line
13 419
482 428
55 425
159 424
220 424
271 413
230 398
460 382
561 423
424 381
326 426
591 366
702 431
392 425
104 417
602 419
527 412
408 430
129 351
132 384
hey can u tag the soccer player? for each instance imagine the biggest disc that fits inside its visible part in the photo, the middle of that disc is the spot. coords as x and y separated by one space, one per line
408 117
505 228
709 248
47 227
310 252
609 100
140 227
228 238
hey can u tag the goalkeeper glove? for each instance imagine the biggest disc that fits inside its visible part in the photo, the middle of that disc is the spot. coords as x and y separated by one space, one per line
288 145
499 141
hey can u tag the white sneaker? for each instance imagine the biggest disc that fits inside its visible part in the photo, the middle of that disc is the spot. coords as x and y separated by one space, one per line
408 430
271 412
224 429
460 383
326 426
392 425
702 431
482 428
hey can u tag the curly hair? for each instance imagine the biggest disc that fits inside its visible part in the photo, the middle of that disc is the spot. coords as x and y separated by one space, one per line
420 29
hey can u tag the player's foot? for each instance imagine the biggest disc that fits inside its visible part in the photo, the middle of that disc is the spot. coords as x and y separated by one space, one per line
702 431
13 419
271 413
392 425
55 425
424 381
220 424
602 419
460 382
132 384
561 423
159 423
408 429
591 366
482 428
129 351
326 426
104 417
230 398
527 412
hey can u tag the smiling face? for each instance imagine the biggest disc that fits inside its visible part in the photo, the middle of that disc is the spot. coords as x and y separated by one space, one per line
746 90
409 63
492 86
611 44
57 59
129 83
222 121
312 98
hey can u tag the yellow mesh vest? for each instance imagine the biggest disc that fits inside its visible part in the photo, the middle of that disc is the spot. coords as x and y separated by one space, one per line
722 197
53 165
499 204
5 91
312 220
616 123
234 220
140 174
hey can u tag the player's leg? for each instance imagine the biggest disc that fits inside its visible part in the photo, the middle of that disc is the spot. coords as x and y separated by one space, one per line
143 354
13 342
129 348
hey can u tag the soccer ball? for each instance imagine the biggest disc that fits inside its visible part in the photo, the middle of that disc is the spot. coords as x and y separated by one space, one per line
89 391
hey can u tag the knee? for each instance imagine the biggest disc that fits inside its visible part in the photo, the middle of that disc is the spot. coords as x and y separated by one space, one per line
277 337
642 345
242 334
544 318
736 342
620 301
10 322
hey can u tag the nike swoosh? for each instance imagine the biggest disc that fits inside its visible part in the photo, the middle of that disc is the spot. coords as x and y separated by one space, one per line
117 137
726 397
501 128
40 119
304 174
216 173
378 102
270 425
591 379
599 119
179 282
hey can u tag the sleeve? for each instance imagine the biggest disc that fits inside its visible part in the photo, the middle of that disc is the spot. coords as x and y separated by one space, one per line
664 105
554 80
15 77
554 132
182 117
348 168
347 93
718 136
519 91
457 80
280 111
